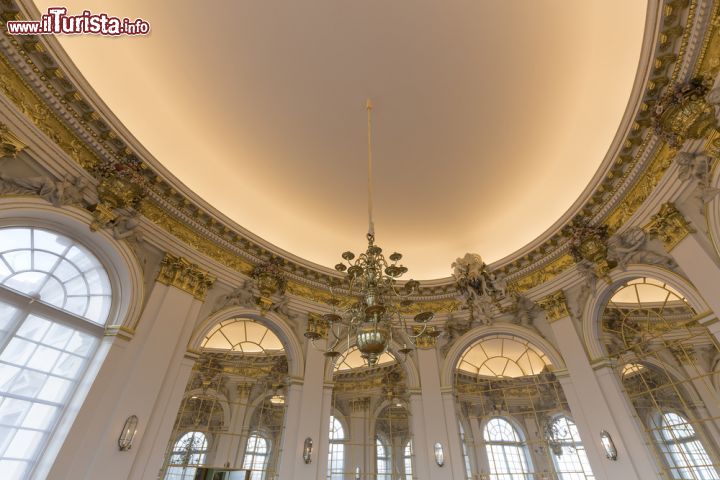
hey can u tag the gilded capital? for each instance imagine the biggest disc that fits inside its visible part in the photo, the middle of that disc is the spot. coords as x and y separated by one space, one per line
669 225
555 306
10 144
428 338
180 273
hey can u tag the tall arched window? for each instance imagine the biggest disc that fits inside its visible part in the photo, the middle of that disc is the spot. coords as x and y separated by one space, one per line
54 301
506 451
569 455
382 460
257 452
466 456
685 455
336 452
407 460
188 452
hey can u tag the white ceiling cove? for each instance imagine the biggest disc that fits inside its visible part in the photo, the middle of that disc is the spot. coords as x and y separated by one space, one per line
490 116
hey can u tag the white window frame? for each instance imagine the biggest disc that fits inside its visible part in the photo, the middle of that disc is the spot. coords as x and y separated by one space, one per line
26 306
501 449
261 472
573 447
336 446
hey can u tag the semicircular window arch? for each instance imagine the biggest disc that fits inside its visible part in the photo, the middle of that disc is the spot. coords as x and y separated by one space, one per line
242 335
503 356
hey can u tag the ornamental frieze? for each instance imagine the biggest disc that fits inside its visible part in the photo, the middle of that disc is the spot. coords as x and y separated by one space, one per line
78 129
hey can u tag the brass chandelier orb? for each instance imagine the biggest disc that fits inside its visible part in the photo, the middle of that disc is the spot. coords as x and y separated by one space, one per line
372 313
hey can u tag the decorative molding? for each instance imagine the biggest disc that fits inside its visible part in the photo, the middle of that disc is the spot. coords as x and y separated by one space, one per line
119 331
33 80
555 306
180 273
428 339
669 225
10 144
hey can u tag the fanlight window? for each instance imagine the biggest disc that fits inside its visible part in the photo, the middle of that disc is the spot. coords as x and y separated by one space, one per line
685 455
353 359
242 335
55 269
257 453
336 452
507 452
646 291
630 369
569 455
188 453
45 345
407 460
383 460
503 356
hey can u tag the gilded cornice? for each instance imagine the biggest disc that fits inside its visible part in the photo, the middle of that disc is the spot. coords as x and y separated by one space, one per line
188 277
39 87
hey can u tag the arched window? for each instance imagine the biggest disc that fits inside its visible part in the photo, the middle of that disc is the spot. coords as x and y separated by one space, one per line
336 452
685 455
506 451
407 460
257 452
188 452
382 460
466 456
55 298
569 455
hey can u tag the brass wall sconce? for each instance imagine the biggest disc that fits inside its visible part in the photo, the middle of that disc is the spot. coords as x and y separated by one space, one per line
307 450
608 445
439 454
125 440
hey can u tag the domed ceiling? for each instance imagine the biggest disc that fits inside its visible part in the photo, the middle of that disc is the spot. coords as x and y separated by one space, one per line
490 117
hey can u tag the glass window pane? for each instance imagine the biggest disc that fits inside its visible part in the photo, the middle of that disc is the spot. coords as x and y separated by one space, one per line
33 400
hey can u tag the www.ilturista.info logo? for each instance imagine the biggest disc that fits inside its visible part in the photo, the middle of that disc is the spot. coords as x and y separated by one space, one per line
57 21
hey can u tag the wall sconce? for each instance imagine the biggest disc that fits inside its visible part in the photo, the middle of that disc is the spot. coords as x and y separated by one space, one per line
357 473
307 450
125 440
439 455
608 445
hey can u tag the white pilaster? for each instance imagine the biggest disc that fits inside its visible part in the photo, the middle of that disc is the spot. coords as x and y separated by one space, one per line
145 377
598 403
308 415
438 413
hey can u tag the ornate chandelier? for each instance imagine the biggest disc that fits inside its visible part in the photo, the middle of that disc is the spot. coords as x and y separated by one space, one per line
372 312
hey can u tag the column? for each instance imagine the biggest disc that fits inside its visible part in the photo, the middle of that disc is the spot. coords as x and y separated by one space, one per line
598 403
480 462
421 462
360 439
230 449
681 241
291 438
438 410
308 416
145 376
